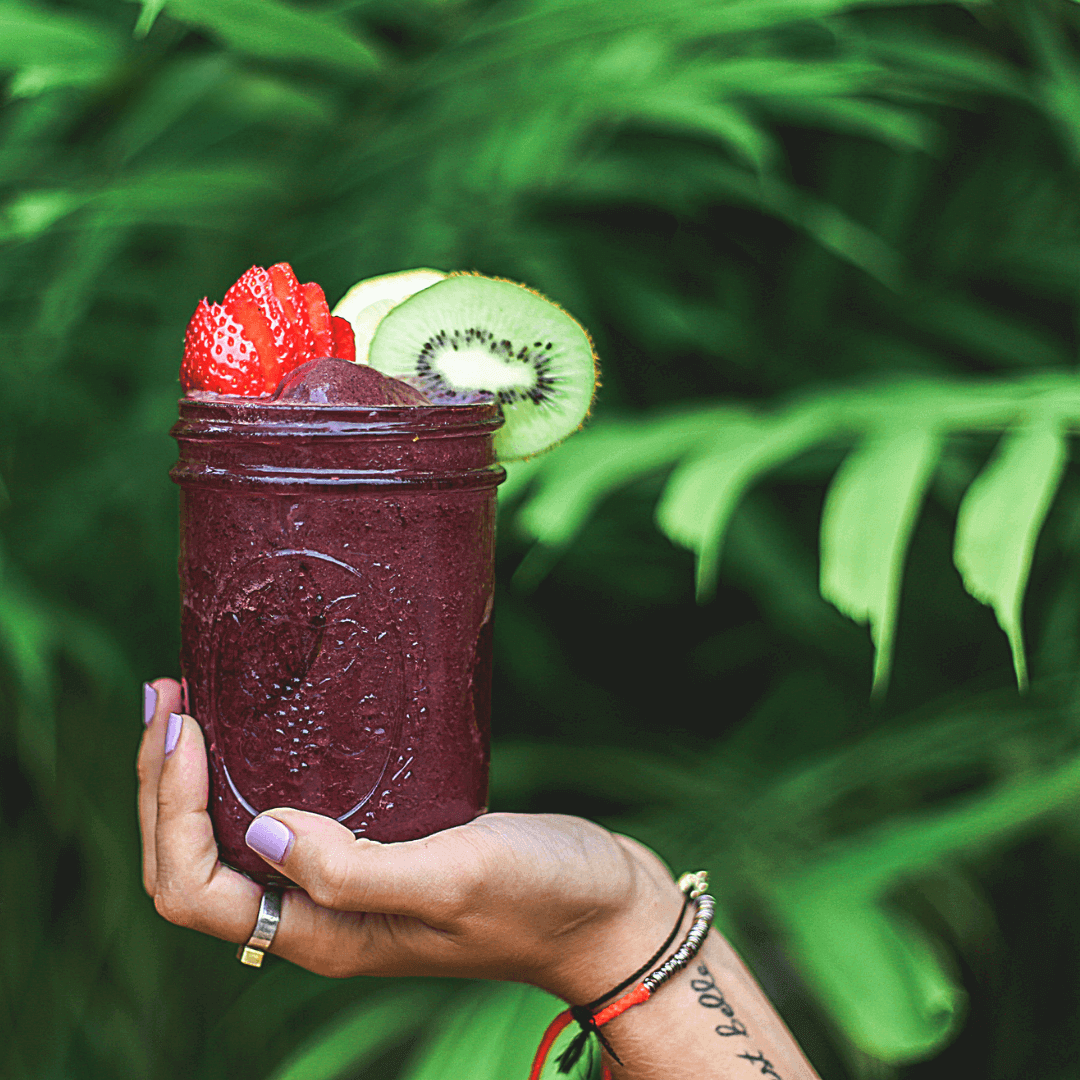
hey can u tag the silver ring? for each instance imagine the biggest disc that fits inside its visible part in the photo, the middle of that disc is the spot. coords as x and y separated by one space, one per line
266 925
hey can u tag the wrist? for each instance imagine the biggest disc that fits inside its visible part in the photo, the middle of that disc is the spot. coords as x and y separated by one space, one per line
617 942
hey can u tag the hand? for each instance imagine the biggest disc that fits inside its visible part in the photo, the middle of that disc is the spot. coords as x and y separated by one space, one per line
554 901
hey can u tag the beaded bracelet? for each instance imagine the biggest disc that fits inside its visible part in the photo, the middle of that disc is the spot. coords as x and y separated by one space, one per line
590 1020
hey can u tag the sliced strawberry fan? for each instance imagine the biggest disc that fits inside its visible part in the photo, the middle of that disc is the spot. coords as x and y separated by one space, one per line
267 325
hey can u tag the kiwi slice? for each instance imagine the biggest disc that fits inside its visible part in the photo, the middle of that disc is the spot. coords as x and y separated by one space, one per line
469 334
365 304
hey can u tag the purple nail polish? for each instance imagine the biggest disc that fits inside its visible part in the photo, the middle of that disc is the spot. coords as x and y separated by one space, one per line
172 732
266 836
149 696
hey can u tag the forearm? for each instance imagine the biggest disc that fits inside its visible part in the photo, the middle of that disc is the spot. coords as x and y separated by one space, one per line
710 1021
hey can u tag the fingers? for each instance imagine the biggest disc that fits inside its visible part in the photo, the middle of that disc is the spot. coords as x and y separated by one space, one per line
429 879
191 887
160 698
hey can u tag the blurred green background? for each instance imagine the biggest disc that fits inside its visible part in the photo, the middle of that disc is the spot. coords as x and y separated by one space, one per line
830 255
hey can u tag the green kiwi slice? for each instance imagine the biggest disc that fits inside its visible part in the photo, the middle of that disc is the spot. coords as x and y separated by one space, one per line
367 302
467 335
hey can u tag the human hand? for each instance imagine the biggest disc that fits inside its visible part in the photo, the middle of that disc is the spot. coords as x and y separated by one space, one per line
550 900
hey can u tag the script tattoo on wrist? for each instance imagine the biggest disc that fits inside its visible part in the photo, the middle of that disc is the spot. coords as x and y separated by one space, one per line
766 1065
710 996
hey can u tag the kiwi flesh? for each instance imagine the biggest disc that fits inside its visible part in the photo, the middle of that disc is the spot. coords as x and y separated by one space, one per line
367 302
469 334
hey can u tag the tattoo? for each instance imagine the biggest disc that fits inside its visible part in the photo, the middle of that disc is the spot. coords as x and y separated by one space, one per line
766 1065
710 996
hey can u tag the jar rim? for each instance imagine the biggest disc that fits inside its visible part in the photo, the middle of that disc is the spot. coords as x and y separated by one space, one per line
204 417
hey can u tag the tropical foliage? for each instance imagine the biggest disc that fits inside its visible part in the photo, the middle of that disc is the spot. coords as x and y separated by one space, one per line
830 254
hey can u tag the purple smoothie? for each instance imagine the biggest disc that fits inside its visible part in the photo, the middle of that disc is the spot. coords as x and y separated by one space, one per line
336 570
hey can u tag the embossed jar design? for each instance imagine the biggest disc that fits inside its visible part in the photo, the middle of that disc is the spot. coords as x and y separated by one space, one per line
336 574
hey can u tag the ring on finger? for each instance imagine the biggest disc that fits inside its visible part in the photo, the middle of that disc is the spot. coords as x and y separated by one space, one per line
262 937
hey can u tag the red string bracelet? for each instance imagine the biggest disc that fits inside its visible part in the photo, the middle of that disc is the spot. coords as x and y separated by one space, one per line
693 886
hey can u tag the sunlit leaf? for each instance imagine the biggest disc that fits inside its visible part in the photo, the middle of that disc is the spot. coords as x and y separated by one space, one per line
683 108
571 481
275 30
880 976
999 522
703 492
48 48
151 9
488 1035
357 1035
886 123
865 528
34 212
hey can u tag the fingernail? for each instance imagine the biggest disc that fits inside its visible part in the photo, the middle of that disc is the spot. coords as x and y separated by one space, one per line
149 697
172 732
266 836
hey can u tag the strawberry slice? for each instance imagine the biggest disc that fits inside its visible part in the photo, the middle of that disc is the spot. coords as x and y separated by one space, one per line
290 295
344 339
254 304
218 355
267 325
318 318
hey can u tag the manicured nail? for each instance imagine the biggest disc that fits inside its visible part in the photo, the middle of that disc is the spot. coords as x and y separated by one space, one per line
172 732
149 698
266 836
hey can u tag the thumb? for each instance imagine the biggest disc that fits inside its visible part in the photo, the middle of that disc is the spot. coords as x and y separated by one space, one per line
338 870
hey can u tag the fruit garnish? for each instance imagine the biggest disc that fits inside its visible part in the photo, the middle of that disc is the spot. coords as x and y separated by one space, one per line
341 382
367 303
318 318
252 299
219 356
468 334
344 339
267 324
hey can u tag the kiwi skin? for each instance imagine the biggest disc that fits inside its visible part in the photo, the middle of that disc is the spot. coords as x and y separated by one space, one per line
597 381
425 329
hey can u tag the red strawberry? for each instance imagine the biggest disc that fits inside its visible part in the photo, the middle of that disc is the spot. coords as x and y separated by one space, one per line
344 339
218 356
318 317
268 324
253 302
291 297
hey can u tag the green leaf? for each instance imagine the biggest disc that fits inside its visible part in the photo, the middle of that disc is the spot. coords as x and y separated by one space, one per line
490 1035
999 522
681 107
32 213
571 481
357 1035
151 9
881 976
884 979
703 492
26 646
48 47
274 30
866 525
902 128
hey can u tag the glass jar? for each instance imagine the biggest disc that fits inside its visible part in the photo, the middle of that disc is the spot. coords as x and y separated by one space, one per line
336 573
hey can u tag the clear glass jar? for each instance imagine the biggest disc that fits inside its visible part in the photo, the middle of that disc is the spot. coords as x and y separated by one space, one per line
336 572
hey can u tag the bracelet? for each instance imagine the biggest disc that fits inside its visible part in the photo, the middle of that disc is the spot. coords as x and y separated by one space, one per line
591 1017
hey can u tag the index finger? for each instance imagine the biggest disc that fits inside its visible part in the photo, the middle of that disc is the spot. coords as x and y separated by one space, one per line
160 697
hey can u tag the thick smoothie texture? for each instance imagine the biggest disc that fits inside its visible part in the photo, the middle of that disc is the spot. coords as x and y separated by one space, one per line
336 572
